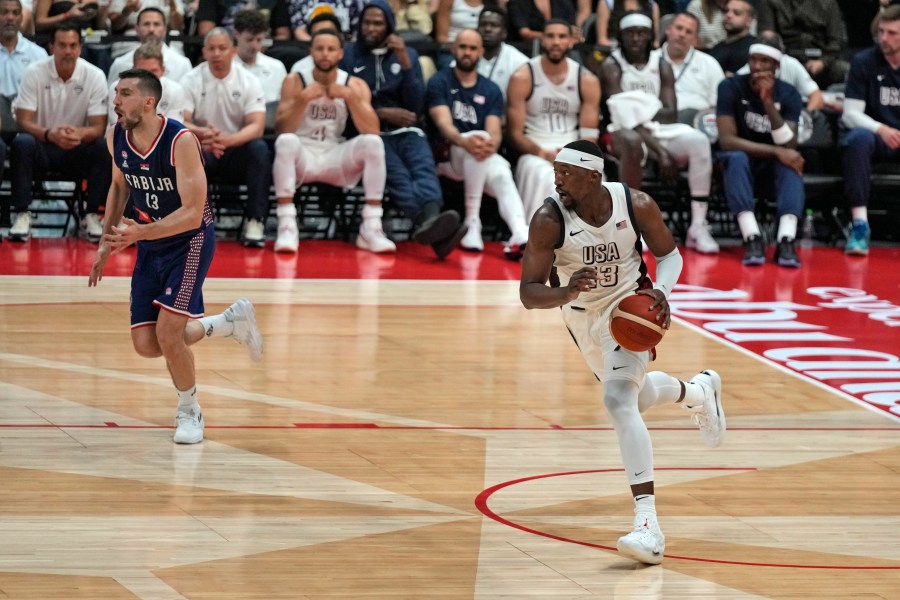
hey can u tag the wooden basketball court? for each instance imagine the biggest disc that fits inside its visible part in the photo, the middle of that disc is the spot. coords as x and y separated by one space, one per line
415 439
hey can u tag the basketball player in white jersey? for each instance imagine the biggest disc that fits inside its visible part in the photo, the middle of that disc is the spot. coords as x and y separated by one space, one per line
552 101
587 243
312 114
635 66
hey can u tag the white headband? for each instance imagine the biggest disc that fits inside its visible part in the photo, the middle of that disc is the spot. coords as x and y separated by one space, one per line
635 20
766 50
580 159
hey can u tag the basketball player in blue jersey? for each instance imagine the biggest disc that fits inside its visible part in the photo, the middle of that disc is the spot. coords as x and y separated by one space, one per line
587 244
158 166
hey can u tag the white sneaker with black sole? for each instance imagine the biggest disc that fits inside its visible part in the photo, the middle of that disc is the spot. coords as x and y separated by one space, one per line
246 333
646 542
709 416
21 228
188 427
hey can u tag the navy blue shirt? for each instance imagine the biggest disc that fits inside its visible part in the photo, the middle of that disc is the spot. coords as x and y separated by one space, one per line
471 106
152 180
737 100
872 80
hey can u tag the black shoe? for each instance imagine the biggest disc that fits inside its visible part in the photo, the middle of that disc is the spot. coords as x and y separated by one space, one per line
437 228
754 252
786 254
448 244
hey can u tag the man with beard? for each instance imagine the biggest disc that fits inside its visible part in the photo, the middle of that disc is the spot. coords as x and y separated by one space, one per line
226 109
736 21
757 118
392 72
466 108
160 169
552 101
251 28
872 116
500 60
311 119
644 79
61 114
151 27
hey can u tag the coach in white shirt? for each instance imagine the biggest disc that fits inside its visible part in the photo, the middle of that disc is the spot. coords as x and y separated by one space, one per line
61 113
151 27
250 30
226 109
697 74
149 57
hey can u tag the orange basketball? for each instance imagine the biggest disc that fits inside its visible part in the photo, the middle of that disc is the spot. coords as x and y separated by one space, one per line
633 325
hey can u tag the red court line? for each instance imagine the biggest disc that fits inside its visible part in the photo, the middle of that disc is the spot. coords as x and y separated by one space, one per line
548 428
481 503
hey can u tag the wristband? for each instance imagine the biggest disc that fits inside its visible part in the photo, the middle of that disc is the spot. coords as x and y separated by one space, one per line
589 132
782 135
47 135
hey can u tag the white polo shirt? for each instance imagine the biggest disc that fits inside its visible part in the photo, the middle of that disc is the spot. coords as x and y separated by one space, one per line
13 64
176 65
793 72
57 102
270 72
697 79
171 104
222 102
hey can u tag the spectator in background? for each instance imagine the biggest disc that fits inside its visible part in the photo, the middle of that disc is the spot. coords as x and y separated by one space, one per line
466 109
312 116
151 28
149 57
324 19
610 12
391 70
757 118
813 33
413 16
499 60
640 130
61 111
123 17
858 16
872 115
697 74
221 13
250 30
709 15
226 110
17 52
302 11
552 101
793 72
732 52
27 24
526 18
452 17
49 14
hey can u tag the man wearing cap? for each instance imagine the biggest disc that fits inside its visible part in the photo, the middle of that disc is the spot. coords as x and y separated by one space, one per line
391 69
588 239
757 118
646 81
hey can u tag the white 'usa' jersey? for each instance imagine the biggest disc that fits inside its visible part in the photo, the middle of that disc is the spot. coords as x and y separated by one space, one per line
645 79
614 249
325 118
552 111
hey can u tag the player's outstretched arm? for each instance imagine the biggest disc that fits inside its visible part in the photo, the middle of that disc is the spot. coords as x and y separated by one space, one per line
543 235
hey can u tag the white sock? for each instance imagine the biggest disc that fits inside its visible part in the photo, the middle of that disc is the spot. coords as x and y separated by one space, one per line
187 400
217 325
645 504
859 213
694 395
787 227
698 213
371 215
747 224
286 212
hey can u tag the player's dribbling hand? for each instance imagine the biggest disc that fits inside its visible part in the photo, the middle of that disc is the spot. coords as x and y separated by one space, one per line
123 235
582 280
664 316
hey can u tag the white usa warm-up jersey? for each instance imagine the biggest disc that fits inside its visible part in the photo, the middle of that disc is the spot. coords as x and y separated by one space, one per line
325 118
645 79
613 248
552 111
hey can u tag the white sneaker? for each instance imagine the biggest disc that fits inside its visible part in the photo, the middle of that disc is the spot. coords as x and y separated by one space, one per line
699 238
371 237
188 427
646 542
91 228
515 247
473 241
709 416
288 238
243 315
21 228
254 234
